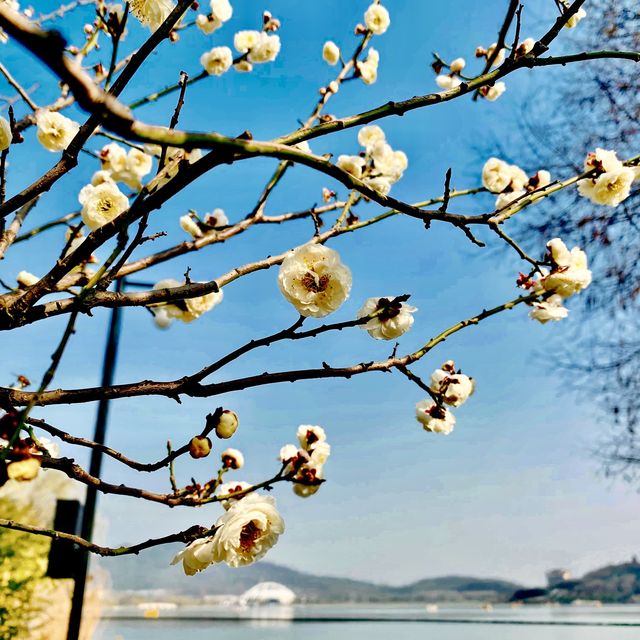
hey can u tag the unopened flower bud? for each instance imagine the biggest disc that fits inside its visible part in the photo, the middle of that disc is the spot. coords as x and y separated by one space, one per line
457 65
327 194
199 447
227 424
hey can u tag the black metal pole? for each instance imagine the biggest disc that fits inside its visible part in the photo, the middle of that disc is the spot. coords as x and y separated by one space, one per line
88 514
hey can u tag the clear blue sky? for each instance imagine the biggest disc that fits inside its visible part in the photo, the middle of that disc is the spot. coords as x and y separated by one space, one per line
514 490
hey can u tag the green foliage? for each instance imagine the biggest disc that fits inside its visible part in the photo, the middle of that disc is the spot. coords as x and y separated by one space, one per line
24 589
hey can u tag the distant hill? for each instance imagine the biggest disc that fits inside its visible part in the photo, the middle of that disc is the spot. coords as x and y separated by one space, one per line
151 571
614 583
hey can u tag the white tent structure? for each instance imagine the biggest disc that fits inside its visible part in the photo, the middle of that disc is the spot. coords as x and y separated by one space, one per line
268 593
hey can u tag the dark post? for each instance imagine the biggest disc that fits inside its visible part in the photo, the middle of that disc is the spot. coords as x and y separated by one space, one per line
108 370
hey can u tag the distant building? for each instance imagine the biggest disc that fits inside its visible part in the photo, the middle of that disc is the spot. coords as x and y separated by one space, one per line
557 576
268 593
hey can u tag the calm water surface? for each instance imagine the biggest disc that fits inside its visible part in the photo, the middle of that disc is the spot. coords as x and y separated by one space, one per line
397 622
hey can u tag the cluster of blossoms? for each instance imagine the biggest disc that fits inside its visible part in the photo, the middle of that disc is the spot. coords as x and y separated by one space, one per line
251 523
220 12
378 166
25 455
316 282
376 22
198 228
611 182
510 182
124 166
253 47
305 464
455 78
243 534
569 275
449 387
188 310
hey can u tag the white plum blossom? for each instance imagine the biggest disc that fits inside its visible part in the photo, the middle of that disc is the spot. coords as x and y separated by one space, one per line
457 65
393 320
612 182
232 459
331 53
570 273
494 92
243 66
216 219
454 388
353 165
55 131
5 134
189 225
508 197
122 166
288 453
26 279
308 474
217 61
265 49
526 46
243 41
309 435
244 534
500 55
320 453
575 18
151 13
368 69
376 19
12 5
434 418
370 135
314 280
228 489
101 204
186 310
550 309
447 82
497 176
207 24
380 184
603 161
221 9
540 179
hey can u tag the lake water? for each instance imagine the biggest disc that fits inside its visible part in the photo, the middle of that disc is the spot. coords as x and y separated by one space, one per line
410 622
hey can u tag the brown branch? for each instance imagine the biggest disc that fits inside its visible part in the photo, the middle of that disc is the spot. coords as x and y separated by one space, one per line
185 386
186 536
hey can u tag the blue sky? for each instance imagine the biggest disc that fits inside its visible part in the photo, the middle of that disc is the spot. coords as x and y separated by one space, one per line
514 490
